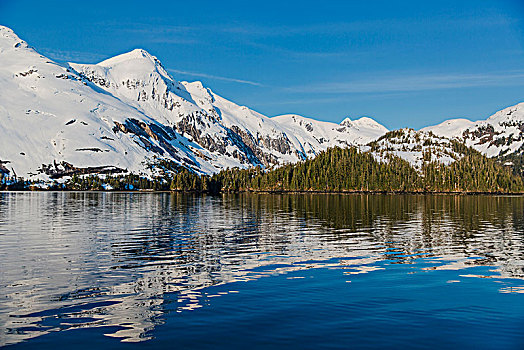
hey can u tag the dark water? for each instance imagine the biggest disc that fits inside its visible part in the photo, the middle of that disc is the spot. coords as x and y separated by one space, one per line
120 270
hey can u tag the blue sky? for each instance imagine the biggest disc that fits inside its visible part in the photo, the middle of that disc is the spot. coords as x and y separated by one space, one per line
404 63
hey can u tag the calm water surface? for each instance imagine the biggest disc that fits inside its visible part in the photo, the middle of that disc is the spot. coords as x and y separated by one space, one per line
136 270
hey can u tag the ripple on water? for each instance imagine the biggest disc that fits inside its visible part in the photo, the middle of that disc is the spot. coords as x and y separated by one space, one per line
85 260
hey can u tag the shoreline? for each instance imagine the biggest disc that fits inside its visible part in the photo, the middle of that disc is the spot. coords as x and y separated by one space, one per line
462 193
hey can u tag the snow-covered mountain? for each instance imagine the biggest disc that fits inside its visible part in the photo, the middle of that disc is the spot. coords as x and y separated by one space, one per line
317 135
499 135
416 147
127 113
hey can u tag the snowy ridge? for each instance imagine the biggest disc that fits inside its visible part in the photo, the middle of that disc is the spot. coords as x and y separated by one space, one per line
49 115
501 134
416 147
316 136
126 113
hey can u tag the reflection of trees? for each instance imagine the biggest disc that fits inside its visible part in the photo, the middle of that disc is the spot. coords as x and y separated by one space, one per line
131 249
488 227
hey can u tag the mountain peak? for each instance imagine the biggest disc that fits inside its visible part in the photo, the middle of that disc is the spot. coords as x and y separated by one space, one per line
364 122
370 123
134 55
346 121
195 85
4 29
8 38
513 113
138 64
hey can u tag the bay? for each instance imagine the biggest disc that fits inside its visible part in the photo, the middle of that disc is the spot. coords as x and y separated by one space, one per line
137 270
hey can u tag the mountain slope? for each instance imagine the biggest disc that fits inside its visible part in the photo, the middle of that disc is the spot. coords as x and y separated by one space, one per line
201 115
349 170
316 136
127 114
124 115
501 134
416 147
50 115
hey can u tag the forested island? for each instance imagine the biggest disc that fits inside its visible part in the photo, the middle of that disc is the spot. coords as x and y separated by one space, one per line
334 170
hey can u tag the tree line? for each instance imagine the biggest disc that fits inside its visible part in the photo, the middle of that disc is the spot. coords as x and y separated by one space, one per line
350 170
334 170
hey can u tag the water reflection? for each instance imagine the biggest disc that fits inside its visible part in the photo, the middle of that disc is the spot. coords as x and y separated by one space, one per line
73 260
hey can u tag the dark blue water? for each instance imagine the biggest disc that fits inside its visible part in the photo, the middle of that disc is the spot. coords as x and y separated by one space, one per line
146 270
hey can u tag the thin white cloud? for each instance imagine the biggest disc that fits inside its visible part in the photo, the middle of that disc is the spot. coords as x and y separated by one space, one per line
215 77
326 99
177 41
251 29
72 56
415 82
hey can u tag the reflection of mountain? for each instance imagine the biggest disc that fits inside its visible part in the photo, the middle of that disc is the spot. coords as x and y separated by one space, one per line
98 259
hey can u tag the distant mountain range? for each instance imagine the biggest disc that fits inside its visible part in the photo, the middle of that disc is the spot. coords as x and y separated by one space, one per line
127 114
